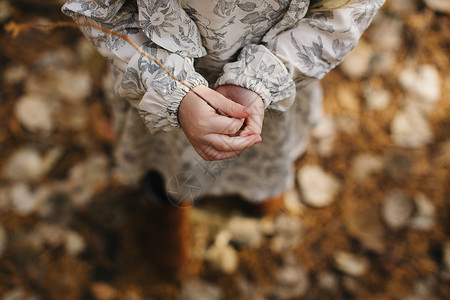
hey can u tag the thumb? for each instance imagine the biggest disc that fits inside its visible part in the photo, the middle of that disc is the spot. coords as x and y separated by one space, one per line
233 109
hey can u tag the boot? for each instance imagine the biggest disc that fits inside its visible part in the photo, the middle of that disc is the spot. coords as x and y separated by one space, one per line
268 207
168 240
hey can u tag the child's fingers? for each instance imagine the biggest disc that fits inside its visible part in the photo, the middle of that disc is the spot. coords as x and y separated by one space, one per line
251 128
225 125
224 104
219 147
227 143
211 154
233 109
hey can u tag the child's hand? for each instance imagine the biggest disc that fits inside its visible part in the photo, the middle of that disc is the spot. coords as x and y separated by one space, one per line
213 135
250 99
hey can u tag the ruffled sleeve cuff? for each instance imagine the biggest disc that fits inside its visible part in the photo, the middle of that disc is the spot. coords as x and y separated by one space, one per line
159 94
259 70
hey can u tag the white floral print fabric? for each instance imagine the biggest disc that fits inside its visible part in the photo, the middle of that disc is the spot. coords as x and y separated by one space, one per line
277 48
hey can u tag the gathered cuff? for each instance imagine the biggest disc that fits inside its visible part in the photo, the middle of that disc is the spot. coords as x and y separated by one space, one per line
159 95
160 111
259 70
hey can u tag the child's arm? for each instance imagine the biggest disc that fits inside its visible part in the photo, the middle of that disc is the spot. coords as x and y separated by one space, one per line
146 85
150 89
300 49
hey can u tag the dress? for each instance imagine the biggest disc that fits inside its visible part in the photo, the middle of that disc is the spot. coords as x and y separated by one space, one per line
278 48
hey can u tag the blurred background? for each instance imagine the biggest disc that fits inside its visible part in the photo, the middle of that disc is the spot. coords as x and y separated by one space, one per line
379 161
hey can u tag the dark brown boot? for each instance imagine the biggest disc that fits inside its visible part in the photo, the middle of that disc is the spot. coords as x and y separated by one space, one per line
168 238
268 207
167 235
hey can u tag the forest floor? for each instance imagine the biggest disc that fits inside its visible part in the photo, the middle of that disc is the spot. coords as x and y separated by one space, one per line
68 227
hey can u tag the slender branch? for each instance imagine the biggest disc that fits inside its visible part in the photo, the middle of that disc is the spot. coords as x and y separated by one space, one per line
15 29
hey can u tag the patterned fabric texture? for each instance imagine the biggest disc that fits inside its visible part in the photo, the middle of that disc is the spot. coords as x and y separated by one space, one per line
278 48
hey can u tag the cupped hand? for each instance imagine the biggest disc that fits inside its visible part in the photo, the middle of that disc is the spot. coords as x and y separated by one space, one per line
250 99
213 136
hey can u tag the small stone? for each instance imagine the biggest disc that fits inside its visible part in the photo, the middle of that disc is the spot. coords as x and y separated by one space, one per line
423 82
351 264
357 64
439 5
30 243
27 164
292 203
328 281
88 178
34 113
350 284
24 165
288 225
18 293
364 223
376 99
23 200
366 164
221 255
73 86
292 282
74 243
424 218
5 11
15 73
245 231
291 275
318 188
223 238
386 34
248 290
397 210
54 235
3 240
325 134
423 289
224 259
411 129
267 225
288 233
197 289
103 291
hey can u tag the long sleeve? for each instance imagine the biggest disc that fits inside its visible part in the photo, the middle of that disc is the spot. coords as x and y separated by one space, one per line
147 86
298 54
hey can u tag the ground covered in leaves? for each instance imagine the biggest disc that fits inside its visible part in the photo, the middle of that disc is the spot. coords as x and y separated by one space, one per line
369 218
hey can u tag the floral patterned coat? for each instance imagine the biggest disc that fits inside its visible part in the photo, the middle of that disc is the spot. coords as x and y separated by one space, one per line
277 48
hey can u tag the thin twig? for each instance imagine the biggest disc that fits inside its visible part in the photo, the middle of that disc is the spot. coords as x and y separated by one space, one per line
15 29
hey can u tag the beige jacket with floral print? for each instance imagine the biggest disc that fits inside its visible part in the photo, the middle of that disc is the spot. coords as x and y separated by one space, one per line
277 48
